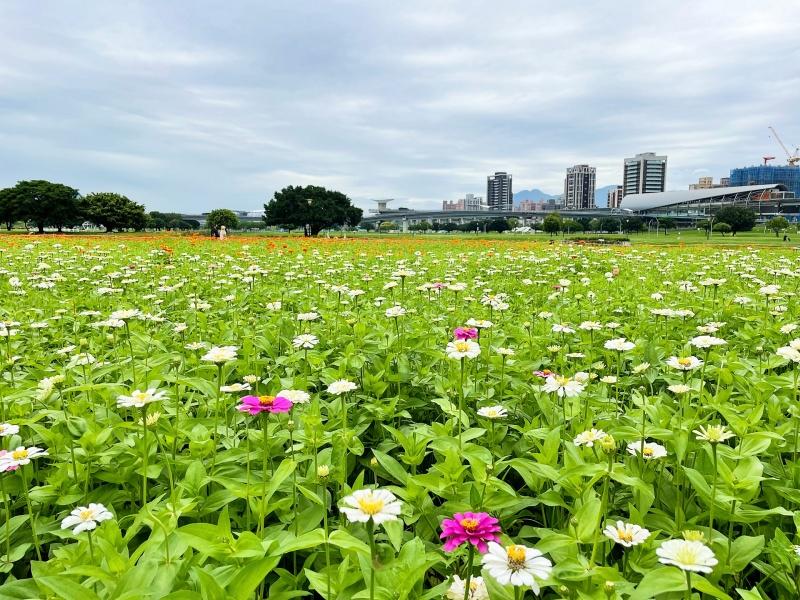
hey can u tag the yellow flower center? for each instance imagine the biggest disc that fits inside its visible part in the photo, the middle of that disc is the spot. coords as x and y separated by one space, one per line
19 454
370 505
647 451
562 381
469 524
462 346
86 515
516 556
266 400
625 535
684 362
686 555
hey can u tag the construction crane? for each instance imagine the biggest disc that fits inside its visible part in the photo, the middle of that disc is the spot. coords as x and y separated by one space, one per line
792 159
767 159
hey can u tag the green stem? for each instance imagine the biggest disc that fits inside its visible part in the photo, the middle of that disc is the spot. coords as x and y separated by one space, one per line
7 503
688 585
468 574
144 455
713 494
371 536
30 512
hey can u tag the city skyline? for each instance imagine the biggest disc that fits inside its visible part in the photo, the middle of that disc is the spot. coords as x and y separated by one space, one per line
224 105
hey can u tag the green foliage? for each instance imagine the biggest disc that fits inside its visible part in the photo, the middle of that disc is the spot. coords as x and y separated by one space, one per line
159 220
739 218
45 204
722 228
552 223
313 206
777 224
222 217
113 211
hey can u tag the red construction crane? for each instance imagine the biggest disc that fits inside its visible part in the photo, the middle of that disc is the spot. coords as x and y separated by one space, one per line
792 159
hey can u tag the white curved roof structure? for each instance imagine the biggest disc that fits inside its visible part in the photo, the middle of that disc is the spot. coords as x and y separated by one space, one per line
642 202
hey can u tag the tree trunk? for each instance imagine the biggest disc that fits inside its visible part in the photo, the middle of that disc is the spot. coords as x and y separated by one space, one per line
41 227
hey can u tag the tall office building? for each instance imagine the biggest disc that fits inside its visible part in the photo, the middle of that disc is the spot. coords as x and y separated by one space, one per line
579 186
499 192
644 174
614 197
468 202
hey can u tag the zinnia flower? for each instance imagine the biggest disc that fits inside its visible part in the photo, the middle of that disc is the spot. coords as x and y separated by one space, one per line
220 354
305 341
619 344
465 333
20 457
517 565
626 534
706 341
713 434
138 398
588 438
341 386
684 363
7 429
687 555
462 349
296 396
86 518
271 404
477 589
563 386
474 528
648 450
492 412
378 505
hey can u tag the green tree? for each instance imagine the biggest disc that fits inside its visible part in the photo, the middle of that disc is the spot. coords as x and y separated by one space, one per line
312 206
386 226
570 225
47 204
738 217
113 211
498 225
222 216
777 224
594 225
667 223
9 208
723 228
552 224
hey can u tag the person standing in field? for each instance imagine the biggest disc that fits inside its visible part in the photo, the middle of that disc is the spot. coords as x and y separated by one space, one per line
222 232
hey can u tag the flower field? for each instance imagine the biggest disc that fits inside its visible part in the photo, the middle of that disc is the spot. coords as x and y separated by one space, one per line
281 418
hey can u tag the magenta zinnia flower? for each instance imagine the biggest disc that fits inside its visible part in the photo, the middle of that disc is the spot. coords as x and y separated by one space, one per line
465 333
475 528
258 404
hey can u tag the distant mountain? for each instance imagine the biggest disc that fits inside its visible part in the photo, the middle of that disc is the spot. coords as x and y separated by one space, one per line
535 194
601 195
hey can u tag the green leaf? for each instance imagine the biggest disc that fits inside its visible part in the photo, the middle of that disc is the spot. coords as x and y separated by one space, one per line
743 550
250 576
658 581
66 588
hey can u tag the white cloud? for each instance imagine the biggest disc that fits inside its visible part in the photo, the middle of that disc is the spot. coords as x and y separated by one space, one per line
224 104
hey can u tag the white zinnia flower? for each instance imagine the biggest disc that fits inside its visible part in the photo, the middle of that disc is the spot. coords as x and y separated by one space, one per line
589 437
138 398
619 344
493 412
648 450
341 386
685 363
378 505
626 534
296 396
20 457
713 433
305 341
395 311
235 387
220 354
477 589
7 429
458 349
86 518
563 386
516 565
706 341
687 555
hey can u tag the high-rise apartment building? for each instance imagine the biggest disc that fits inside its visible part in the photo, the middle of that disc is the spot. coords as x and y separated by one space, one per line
644 174
499 192
614 197
707 183
579 187
468 202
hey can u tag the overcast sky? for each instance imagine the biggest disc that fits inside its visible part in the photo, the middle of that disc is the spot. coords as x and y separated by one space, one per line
194 105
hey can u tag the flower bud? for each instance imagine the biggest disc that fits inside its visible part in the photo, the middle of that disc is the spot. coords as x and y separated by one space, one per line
323 471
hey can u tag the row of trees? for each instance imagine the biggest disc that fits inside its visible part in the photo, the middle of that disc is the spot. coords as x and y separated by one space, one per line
46 204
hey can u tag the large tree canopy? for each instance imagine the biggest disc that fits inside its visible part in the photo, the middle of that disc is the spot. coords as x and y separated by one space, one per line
738 217
222 216
113 211
46 204
314 206
9 209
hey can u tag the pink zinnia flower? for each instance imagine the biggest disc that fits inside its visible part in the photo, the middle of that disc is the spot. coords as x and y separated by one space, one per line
465 333
6 467
475 528
258 404
544 374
